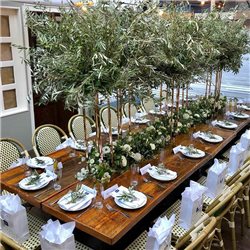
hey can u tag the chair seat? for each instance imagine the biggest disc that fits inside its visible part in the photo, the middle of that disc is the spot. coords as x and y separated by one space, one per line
35 223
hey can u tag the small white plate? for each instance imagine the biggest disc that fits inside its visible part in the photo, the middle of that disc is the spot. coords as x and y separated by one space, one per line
132 205
223 125
215 140
169 176
200 153
33 163
22 184
242 116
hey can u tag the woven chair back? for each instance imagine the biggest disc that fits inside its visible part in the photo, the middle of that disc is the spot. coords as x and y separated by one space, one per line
133 109
76 126
46 138
148 104
10 151
105 118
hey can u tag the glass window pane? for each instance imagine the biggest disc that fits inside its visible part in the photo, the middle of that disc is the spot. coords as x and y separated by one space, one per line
5 27
6 53
7 75
9 99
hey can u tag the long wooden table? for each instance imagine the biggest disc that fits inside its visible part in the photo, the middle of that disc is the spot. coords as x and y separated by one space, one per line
110 227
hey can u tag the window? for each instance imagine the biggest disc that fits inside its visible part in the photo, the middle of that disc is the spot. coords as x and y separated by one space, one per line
13 80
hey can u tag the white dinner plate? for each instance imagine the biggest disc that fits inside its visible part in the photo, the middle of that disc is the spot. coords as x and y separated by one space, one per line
78 146
141 121
212 140
223 125
76 207
240 116
153 112
134 204
47 161
197 155
168 176
40 184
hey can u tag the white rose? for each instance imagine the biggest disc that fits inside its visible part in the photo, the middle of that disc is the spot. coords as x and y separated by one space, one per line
137 157
126 147
197 115
129 138
124 161
179 124
92 161
152 146
97 154
204 115
186 116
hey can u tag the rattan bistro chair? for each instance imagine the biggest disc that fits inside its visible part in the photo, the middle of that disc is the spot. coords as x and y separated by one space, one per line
104 117
148 104
76 126
223 208
46 138
125 109
200 237
10 151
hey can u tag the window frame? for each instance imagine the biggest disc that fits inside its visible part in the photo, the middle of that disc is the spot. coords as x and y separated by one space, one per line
19 67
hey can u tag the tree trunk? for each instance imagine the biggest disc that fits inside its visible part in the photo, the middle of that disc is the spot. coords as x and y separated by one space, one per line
110 132
98 125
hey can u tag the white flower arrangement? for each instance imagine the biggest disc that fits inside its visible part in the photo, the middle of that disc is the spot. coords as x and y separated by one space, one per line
82 174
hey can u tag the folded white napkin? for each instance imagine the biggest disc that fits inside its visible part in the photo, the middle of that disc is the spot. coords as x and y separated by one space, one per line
57 233
10 203
19 162
197 134
134 204
214 123
177 149
160 231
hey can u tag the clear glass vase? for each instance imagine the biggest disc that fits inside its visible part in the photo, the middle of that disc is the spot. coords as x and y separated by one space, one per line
99 199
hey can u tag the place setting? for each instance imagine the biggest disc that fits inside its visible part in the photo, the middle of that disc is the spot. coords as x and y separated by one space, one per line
41 162
189 151
224 124
37 181
239 115
161 173
129 198
208 137
77 199
157 111
139 118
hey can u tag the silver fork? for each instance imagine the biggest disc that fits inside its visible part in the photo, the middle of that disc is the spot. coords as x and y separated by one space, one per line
111 209
148 181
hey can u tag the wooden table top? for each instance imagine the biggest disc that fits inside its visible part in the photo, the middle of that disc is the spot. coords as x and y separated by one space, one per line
108 226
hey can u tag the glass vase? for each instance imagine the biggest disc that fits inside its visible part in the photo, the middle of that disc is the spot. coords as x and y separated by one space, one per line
99 199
